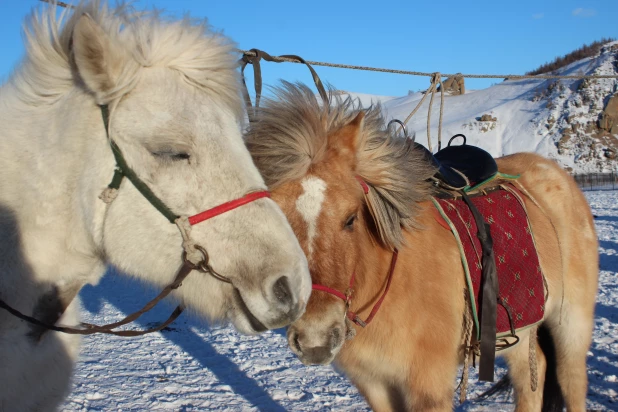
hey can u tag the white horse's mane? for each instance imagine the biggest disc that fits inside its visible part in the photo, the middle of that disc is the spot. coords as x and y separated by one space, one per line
203 57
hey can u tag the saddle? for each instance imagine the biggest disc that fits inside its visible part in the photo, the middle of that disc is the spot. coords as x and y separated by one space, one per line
487 216
461 166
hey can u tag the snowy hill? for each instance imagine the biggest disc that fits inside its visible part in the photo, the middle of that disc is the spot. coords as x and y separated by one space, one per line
556 118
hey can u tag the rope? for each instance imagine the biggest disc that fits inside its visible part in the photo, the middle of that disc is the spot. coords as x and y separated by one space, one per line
429 74
534 373
407 72
254 56
468 351
59 3
434 85
188 244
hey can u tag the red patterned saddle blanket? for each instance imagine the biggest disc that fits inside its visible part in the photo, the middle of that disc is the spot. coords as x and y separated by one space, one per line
521 296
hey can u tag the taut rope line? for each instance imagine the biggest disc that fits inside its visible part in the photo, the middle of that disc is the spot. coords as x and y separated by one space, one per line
290 59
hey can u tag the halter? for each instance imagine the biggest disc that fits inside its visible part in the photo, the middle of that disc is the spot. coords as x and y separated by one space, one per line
346 296
194 256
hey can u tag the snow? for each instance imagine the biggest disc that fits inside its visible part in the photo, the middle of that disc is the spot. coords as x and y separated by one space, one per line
192 366
532 115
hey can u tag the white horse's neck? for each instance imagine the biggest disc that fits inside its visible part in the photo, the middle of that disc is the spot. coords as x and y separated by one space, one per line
43 151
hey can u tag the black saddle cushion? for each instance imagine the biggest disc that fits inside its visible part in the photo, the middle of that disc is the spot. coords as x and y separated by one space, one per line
472 161
475 163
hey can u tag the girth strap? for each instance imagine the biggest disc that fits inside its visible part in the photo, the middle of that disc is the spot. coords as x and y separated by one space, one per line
489 295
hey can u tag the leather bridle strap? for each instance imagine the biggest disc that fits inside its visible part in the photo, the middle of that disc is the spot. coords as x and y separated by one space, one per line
90 329
376 307
124 170
347 296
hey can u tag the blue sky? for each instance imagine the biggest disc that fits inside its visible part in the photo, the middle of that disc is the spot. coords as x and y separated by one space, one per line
447 36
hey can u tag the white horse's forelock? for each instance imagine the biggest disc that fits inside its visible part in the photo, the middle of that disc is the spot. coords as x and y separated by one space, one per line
205 58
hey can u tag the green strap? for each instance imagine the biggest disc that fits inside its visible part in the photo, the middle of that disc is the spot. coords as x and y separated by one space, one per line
123 170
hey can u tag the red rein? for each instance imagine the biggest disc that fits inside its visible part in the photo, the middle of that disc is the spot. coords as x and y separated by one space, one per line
226 207
347 296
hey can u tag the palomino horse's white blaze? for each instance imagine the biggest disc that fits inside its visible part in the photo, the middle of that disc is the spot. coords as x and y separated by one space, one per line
176 115
309 205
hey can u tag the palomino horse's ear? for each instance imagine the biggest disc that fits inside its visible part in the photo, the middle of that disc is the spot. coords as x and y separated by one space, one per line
346 140
98 62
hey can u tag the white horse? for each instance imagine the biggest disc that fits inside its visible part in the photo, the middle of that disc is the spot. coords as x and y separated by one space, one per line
175 113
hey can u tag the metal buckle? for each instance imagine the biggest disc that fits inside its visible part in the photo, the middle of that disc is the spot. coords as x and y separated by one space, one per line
204 265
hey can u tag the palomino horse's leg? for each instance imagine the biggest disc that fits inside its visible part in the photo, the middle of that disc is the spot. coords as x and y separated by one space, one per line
380 395
572 338
431 386
518 359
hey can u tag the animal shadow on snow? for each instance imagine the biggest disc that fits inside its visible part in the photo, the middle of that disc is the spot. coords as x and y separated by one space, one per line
606 219
129 295
608 261
13 262
602 363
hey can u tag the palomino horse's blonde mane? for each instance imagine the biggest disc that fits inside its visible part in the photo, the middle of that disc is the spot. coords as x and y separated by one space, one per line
142 39
291 133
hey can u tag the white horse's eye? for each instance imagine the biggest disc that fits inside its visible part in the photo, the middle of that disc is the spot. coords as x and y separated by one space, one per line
171 155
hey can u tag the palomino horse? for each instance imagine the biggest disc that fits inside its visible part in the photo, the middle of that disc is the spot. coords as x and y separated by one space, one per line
353 194
168 91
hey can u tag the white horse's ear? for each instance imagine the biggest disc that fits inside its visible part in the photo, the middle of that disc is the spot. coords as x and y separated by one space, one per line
99 61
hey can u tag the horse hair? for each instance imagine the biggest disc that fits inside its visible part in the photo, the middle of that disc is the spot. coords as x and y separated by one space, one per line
144 40
290 134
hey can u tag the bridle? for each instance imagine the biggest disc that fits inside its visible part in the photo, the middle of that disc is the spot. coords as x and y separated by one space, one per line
346 296
194 256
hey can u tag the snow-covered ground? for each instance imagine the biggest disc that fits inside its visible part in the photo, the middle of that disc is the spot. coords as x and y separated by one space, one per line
194 367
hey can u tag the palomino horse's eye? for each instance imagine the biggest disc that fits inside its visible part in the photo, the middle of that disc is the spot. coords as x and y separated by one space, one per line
349 224
171 155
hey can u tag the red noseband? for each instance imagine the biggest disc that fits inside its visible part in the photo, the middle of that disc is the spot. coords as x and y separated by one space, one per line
226 207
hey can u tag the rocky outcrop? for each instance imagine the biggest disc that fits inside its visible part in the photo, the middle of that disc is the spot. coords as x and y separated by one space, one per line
454 85
609 116
487 118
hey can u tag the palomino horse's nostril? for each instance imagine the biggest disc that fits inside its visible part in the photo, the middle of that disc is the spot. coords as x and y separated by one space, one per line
336 337
282 291
297 344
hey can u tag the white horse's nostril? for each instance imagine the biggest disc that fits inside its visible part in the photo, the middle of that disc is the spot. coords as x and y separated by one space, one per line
283 292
